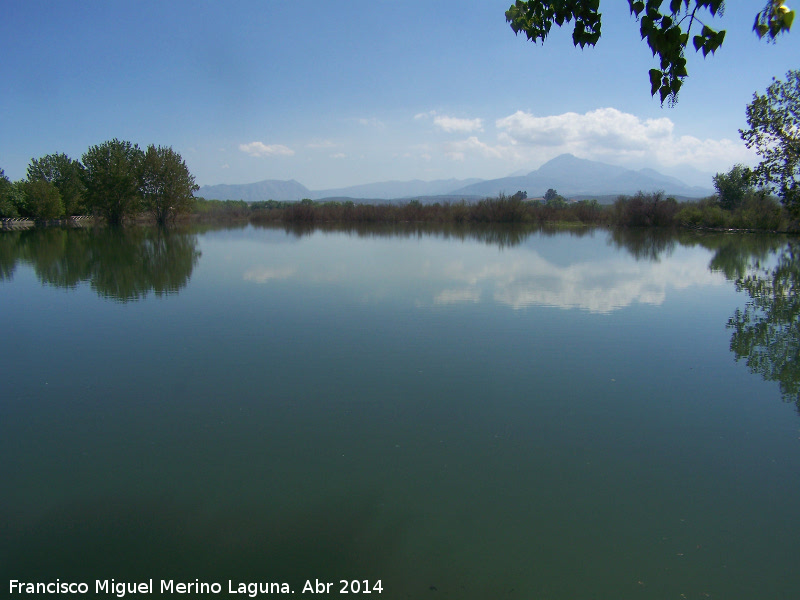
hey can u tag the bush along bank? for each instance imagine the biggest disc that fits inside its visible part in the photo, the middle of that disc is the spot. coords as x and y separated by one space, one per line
757 212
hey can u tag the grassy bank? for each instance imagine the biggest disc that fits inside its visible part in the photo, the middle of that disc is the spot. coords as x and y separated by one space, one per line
758 213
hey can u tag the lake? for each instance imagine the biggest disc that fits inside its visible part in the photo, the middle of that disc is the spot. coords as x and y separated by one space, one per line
455 413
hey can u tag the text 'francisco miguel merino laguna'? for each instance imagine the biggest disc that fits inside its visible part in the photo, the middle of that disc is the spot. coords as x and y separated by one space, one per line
167 586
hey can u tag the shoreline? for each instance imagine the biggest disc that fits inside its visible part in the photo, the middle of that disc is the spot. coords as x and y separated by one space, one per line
642 211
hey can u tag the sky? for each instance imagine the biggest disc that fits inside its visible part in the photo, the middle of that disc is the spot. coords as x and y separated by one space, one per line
339 93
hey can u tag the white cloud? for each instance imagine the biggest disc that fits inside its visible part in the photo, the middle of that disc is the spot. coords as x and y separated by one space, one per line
265 274
320 144
339 155
371 122
262 149
425 115
611 135
604 127
454 124
458 150
458 296
595 286
451 124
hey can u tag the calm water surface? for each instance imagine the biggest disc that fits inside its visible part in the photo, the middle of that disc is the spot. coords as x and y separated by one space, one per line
493 414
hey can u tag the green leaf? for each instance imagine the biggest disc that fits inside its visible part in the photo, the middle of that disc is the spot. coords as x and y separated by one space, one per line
787 19
664 92
646 25
655 81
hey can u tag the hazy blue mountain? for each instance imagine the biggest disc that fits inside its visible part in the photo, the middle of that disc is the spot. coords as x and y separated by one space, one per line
273 189
269 189
690 176
389 190
572 176
569 175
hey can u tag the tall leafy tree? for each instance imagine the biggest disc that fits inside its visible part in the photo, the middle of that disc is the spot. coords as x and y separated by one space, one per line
733 187
111 175
667 31
43 200
66 174
13 198
774 120
7 208
167 187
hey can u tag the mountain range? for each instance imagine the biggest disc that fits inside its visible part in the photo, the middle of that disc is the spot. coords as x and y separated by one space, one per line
568 175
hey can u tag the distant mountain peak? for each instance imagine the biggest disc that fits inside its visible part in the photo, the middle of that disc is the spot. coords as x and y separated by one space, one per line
572 176
569 175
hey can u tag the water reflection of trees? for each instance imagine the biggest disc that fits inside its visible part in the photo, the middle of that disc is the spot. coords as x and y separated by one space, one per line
766 333
733 253
8 253
122 265
503 236
129 264
645 243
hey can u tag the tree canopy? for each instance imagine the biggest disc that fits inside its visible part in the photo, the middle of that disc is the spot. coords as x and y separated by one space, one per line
116 180
43 201
7 208
667 32
774 120
65 173
167 186
733 187
111 176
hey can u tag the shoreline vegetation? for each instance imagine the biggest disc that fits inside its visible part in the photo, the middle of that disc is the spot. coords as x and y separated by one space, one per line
756 212
117 182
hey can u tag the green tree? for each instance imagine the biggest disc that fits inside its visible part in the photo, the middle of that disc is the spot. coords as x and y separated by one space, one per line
520 195
66 174
7 208
167 187
18 198
774 121
733 187
43 200
111 175
667 33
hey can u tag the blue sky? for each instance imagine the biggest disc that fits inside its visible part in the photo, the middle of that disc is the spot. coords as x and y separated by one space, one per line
342 93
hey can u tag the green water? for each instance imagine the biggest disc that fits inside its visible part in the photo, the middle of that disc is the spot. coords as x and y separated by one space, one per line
458 414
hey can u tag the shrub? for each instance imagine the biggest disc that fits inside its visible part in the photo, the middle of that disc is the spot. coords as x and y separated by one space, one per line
43 200
502 209
645 210
758 211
